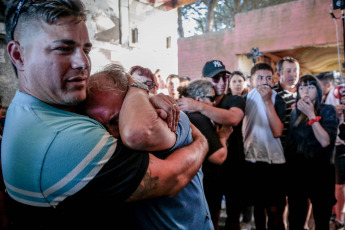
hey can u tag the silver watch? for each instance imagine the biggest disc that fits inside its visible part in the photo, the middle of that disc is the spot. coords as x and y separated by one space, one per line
140 85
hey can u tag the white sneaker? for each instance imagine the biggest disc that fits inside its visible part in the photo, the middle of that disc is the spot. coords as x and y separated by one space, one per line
339 225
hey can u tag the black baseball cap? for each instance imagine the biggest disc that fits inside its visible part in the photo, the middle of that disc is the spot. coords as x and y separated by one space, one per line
214 67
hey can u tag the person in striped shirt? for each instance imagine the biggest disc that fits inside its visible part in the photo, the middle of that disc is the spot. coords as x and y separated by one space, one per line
288 71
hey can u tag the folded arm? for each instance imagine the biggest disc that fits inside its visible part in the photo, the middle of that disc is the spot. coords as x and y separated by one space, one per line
232 116
307 107
321 134
275 123
140 126
273 119
221 154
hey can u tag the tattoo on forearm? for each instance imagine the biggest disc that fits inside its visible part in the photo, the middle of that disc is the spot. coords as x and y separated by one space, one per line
147 185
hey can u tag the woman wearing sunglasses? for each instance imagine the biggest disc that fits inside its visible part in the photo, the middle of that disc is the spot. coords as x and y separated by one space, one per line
145 75
203 91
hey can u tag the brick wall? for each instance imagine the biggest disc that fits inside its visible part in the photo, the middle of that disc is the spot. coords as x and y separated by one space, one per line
304 23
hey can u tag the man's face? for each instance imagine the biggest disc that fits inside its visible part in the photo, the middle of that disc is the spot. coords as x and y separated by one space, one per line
261 77
289 74
326 86
220 81
56 63
173 84
104 107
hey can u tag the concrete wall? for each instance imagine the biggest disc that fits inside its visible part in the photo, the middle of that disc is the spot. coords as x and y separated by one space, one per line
304 23
8 80
110 23
154 26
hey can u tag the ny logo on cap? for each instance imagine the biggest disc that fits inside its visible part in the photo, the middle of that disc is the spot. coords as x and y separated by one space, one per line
217 64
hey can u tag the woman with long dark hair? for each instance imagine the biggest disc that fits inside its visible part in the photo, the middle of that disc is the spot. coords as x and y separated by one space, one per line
310 145
237 83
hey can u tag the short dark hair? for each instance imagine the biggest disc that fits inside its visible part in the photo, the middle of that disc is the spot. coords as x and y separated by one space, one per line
185 78
281 62
261 66
171 76
48 11
326 76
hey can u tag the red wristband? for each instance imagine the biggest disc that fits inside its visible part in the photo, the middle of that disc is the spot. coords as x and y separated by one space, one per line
316 119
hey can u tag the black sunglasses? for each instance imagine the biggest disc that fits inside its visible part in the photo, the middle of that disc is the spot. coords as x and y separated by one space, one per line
150 84
216 78
211 98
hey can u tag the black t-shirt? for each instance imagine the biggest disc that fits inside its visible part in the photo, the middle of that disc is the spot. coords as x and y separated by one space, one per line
235 141
231 169
211 171
114 183
206 127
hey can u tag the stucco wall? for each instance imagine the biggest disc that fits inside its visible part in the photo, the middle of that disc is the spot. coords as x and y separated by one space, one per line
291 25
154 26
8 79
110 23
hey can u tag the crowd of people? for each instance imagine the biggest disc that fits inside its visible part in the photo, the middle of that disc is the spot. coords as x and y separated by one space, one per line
128 150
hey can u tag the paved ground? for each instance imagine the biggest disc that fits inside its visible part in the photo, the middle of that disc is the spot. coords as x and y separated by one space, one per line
252 226
223 218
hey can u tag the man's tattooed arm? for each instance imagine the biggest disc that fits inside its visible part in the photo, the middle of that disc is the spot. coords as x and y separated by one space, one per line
169 176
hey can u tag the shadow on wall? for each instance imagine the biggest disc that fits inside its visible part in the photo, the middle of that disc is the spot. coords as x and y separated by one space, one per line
8 78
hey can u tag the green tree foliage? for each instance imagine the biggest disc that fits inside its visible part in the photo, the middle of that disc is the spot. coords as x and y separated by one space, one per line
213 15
